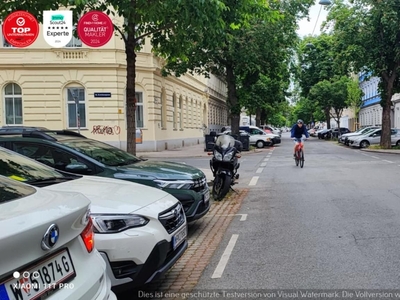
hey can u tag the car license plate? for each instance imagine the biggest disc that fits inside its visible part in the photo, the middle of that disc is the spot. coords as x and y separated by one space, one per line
179 238
34 282
206 197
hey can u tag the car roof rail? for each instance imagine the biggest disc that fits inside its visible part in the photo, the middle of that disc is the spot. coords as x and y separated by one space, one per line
65 132
37 134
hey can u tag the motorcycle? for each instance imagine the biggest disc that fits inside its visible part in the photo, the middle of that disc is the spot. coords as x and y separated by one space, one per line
224 165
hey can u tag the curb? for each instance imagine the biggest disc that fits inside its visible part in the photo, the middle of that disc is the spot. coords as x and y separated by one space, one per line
382 151
204 237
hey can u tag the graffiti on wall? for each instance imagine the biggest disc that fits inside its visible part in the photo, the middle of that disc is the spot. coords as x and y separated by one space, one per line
106 130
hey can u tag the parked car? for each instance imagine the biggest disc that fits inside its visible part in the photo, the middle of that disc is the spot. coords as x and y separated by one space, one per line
72 152
140 231
270 129
329 133
345 137
373 138
321 133
260 138
47 245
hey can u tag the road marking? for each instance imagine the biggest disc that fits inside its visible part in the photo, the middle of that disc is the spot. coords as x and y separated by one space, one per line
266 159
219 270
375 157
254 180
259 170
263 164
388 161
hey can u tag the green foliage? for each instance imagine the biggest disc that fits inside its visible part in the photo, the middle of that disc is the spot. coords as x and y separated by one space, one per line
368 38
354 96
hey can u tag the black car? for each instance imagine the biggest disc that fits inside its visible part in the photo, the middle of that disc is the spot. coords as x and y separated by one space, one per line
329 133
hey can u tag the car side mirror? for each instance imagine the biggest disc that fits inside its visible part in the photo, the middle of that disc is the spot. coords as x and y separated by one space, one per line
374 135
76 167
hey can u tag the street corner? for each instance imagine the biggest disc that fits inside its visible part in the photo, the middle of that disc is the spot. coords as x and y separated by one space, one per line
204 237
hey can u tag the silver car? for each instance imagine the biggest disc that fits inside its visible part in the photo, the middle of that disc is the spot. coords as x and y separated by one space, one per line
374 138
344 138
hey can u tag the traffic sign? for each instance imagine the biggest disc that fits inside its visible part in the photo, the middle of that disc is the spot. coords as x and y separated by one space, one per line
20 29
95 29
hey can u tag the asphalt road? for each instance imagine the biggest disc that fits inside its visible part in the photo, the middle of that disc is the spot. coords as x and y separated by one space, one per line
332 225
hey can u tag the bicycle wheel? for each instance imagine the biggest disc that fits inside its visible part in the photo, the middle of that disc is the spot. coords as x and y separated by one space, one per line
301 158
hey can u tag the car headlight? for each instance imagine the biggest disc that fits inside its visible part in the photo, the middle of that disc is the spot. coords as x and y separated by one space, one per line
176 184
228 156
217 155
112 223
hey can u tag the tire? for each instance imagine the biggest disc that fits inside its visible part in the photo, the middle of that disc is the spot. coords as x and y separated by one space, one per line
364 144
398 143
301 159
260 144
221 185
296 160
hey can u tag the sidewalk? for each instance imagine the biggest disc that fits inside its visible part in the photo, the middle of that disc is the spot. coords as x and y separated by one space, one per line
189 151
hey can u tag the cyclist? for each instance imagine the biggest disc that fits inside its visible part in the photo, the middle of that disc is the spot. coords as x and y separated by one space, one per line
297 132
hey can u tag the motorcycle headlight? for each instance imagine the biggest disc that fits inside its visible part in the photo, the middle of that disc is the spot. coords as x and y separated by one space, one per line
228 156
112 223
217 155
176 184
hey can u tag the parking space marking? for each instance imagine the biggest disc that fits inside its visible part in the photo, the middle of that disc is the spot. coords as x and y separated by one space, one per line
263 164
388 161
243 217
259 170
266 159
254 180
375 157
219 270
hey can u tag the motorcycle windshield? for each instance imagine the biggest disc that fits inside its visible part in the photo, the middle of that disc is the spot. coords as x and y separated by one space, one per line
225 141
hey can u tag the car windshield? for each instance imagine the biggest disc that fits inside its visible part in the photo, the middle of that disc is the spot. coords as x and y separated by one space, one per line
102 152
12 190
21 168
225 141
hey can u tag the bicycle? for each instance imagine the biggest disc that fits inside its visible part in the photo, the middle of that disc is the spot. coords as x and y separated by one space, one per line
299 157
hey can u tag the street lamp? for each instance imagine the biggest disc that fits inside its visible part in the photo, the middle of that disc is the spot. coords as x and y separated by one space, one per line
322 3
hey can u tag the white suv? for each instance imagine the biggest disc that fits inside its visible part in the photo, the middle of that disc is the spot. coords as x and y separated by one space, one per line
46 246
140 231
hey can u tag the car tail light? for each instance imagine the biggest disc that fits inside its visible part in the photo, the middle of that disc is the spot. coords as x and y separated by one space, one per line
88 236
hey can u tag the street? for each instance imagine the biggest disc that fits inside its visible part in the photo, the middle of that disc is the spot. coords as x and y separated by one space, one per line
331 225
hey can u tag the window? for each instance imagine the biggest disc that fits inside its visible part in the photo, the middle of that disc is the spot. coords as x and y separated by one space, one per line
12 190
75 42
13 104
174 110
76 95
139 110
4 42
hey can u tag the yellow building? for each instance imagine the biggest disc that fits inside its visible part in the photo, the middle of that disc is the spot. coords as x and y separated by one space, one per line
40 86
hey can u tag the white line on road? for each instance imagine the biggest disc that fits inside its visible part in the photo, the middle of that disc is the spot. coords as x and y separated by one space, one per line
263 164
254 180
259 170
225 257
243 217
375 157
388 161
266 159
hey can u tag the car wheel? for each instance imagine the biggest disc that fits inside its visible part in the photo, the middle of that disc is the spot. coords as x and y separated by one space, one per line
260 144
364 144
398 143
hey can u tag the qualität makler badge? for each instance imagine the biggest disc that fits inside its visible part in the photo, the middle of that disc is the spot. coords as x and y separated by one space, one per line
57 27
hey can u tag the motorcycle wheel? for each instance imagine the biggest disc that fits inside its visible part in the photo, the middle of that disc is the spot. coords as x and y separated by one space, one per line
221 186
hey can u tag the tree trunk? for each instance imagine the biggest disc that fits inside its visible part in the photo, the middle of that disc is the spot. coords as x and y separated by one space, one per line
328 118
232 99
258 117
130 91
386 139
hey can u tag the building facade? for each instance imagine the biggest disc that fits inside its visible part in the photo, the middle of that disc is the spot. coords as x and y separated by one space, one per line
44 86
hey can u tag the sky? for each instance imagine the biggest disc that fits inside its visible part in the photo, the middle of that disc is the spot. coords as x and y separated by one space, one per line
306 27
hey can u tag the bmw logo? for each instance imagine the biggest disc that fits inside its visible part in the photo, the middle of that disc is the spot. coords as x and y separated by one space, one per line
50 238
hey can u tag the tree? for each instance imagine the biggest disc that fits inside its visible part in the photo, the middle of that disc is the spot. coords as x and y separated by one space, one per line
354 97
368 37
339 98
246 47
169 24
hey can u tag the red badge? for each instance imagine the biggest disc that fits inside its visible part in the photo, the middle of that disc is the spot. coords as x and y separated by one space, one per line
20 29
95 29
